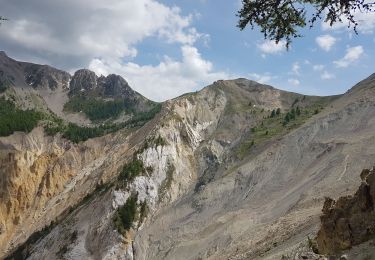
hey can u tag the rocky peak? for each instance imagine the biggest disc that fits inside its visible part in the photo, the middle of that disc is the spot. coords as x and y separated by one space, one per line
115 85
111 86
45 77
29 74
83 80
3 54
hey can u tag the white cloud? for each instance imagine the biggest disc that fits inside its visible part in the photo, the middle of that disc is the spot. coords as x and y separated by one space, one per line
295 68
318 67
94 28
294 82
325 42
326 75
261 78
351 56
169 78
271 47
104 36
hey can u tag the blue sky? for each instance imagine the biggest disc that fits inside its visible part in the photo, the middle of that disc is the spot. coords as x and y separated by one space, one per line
167 48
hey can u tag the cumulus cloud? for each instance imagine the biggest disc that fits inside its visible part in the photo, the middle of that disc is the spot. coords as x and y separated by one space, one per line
261 78
169 78
351 56
271 47
325 42
318 67
104 35
326 75
295 69
294 82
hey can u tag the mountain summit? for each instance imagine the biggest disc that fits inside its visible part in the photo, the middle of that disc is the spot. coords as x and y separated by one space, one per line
90 169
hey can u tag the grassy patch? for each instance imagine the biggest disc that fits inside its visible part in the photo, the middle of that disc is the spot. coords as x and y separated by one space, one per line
78 134
276 125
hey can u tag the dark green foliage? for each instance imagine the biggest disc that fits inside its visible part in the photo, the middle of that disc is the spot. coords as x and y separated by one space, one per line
79 133
132 170
292 114
51 130
153 142
280 20
98 109
278 111
13 119
126 215
287 117
295 102
143 212
298 111
3 87
159 141
142 117
316 111
273 113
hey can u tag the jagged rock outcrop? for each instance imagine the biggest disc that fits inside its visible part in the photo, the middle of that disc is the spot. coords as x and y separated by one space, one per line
83 80
115 86
350 220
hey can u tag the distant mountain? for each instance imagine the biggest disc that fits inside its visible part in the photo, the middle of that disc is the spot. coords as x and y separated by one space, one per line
238 170
44 88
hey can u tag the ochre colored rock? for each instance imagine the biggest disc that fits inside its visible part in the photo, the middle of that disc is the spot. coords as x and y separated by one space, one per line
350 220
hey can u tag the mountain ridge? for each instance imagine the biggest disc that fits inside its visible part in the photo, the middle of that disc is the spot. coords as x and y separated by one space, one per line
221 172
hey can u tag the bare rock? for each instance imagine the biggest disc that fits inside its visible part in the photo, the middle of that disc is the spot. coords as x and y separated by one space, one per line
350 220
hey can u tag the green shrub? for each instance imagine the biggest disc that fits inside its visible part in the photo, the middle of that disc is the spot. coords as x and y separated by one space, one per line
132 170
126 215
143 212
273 113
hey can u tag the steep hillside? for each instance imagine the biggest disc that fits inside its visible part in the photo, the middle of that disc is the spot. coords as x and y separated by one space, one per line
238 170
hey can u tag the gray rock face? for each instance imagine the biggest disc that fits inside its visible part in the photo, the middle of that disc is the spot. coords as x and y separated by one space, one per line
114 86
23 74
85 82
45 77
82 81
